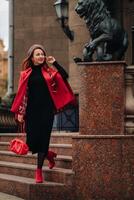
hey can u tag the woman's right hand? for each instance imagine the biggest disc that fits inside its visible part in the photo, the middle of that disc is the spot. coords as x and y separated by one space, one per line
20 118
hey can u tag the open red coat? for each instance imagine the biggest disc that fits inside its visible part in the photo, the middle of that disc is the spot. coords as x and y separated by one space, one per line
61 97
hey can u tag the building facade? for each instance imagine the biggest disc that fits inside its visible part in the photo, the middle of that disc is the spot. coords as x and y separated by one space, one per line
3 69
36 22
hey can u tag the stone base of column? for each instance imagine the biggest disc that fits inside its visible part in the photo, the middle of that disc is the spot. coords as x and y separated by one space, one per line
101 98
104 167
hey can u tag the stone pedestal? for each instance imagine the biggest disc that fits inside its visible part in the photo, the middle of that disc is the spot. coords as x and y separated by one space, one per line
103 157
101 98
104 167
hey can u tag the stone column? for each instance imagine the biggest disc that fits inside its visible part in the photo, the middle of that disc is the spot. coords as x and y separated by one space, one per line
81 37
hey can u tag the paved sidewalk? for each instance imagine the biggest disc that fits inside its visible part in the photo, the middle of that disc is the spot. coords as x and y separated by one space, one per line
4 196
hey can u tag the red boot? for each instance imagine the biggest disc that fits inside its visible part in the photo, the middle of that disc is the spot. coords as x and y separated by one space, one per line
50 156
38 176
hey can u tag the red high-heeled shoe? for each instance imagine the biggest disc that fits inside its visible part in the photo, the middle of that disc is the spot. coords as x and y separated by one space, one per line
50 156
38 176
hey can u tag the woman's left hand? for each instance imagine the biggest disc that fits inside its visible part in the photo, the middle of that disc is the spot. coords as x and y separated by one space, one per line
50 59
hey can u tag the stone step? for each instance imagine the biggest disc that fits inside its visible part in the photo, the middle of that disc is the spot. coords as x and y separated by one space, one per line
60 149
61 161
26 170
4 196
62 137
27 189
56 137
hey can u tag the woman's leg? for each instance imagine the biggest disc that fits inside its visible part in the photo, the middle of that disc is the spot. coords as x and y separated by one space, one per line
40 161
50 156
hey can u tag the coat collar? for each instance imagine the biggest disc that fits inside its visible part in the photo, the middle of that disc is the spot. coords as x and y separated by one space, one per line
44 68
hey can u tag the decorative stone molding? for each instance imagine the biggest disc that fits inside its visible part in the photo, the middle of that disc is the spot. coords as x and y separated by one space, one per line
129 109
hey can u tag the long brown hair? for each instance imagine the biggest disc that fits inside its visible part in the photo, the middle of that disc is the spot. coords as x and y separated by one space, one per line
27 62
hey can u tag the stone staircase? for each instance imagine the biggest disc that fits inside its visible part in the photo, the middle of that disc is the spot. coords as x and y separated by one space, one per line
17 172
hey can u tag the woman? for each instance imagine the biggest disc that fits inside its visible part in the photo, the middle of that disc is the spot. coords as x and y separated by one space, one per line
42 91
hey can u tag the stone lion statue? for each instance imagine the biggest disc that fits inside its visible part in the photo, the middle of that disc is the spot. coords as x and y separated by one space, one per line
108 39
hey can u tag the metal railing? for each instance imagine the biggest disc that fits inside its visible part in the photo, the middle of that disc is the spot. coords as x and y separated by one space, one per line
67 120
7 121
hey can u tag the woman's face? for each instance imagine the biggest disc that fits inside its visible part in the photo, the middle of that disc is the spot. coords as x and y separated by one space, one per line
38 57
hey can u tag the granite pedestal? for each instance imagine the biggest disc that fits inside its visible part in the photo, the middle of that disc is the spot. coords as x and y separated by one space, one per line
104 167
101 97
103 156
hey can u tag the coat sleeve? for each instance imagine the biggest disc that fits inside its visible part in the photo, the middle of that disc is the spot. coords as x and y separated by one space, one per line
61 70
22 107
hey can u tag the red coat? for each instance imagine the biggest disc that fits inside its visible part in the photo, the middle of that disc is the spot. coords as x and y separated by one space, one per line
59 89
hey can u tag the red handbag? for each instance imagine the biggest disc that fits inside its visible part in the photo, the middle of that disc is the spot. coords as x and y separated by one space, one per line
17 145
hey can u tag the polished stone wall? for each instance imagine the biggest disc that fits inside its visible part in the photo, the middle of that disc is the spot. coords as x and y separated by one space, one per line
102 154
104 167
101 98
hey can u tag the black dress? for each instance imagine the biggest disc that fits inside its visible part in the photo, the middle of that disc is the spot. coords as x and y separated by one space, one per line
40 110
